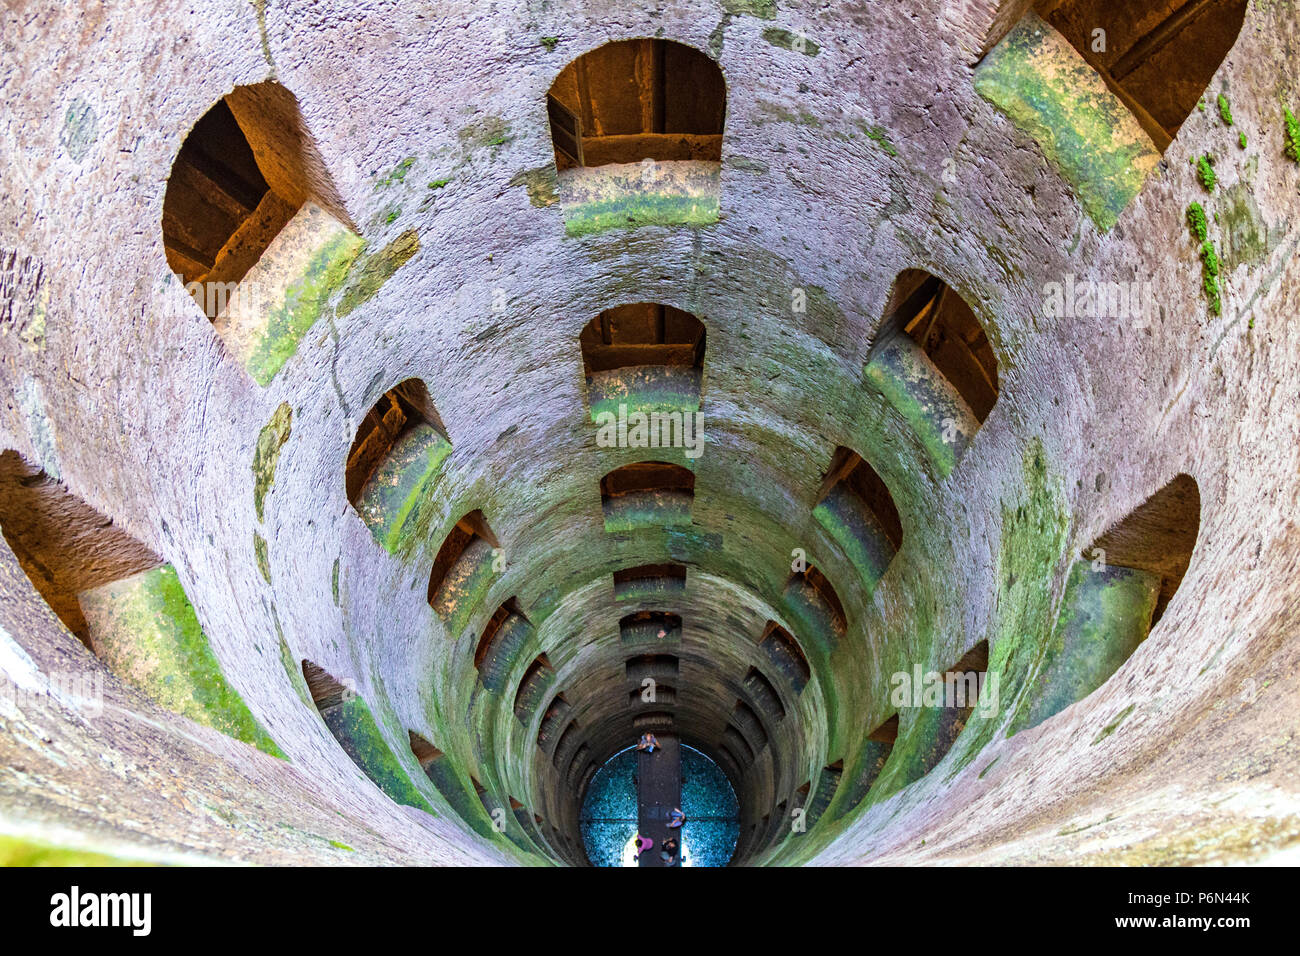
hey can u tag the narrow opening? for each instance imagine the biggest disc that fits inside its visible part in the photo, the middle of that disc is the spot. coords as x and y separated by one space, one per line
886 733
825 592
649 578
552 721
326 691
644 333
1158 56
749 724
631 100
763 694
850 474
1158 537
244 170
64 546
400 411
735 743
650 626
944 326
653 720
646 476
963 682
786 655
662 694
425 752
503 636
655 666
532 688
568 740
471 539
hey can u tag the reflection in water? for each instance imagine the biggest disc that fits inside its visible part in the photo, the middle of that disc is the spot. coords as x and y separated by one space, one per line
609 813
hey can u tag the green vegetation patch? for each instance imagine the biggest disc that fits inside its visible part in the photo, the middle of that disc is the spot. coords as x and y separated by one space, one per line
266 456
636 210
1105 614
1051 93
301 306
401 486
147 633
795 42
354 727
374 270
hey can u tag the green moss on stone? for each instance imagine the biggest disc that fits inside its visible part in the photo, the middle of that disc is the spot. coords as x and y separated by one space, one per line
374 270
266 455
647 509
644 209
15 851
146 631
301 306
910 383
397 174
1205 174
1113 726
1225 111
401 486
783 38
1051 93
263 556
354 727
1105 615
1292 132
541 185
760 9
294 672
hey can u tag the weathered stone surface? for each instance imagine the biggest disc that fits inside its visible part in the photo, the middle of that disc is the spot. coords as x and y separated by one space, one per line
837 174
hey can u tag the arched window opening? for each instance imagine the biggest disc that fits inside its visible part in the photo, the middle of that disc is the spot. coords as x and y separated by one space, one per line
567 745
438 767
1117 591
253 225
463 571
352 724
548 732
537 680
504 636
786 656
660 720
872 756
244 170
815 801
734 742
651 627
963 684
1157 56
645 333
858 511
940 322
641 697
644 356
657 667
398 450
815 604
649 581
647 494
748 723
763 694
631 100
65 546
120 600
